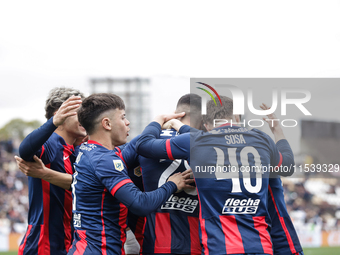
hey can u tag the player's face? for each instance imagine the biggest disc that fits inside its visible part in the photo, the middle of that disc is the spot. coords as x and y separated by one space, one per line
120 130
73 127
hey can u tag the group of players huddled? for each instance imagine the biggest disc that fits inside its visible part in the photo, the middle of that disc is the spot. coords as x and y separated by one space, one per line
91 192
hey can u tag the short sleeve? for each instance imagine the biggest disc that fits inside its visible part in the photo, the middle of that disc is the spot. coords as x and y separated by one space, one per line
112 173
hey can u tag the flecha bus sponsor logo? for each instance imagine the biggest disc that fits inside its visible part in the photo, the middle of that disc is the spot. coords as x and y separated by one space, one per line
240 206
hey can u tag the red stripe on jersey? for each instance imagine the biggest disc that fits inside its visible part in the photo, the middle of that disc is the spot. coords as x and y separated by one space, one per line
22 247
67 218
168 149
94 142
119 154
103 229
44 247
67 162
82 243
42 151
162 233
204 235
280 162
233 238
139 231
122 223
261 226
119 185
195 246
283 224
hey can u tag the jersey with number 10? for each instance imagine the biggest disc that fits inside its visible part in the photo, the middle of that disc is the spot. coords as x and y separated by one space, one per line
231 169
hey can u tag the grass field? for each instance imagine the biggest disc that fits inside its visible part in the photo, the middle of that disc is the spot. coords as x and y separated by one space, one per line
307 251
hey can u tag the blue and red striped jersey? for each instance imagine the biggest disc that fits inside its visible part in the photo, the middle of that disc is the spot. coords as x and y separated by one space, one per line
127 153
233 199
173 228
102 194
50 228
284 237
99 218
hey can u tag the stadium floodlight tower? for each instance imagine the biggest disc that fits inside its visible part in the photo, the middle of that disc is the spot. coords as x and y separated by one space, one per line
136 94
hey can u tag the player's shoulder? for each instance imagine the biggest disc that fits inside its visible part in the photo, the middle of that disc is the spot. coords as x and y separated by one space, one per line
105 158
260 133
56 140
167 133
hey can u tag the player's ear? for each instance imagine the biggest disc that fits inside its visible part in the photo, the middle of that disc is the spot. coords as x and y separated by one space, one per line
106 123
237 118
206 126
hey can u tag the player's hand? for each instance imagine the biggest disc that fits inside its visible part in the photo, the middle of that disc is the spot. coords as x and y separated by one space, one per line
174 123
34 169
273 123
67 109
161 119
182 180
271 119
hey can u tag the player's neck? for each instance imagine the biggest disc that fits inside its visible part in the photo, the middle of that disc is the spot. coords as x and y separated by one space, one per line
68 138
103 139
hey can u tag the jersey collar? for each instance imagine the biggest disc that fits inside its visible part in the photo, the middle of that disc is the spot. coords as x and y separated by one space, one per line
92 141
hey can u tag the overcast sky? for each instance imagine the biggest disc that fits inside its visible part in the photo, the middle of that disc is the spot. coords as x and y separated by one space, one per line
44 44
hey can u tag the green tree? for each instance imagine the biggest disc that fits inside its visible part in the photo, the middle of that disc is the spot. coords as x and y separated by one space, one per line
18 128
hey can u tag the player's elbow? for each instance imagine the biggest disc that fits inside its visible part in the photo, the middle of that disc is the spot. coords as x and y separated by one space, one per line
288 166
141 146
24 151
139 210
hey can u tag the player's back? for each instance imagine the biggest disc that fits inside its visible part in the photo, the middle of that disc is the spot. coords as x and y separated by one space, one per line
173 228
45 234
233 195
99 218
284 237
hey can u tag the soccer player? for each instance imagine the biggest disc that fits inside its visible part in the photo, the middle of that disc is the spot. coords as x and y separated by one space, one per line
233 202
284 237
173 228
49 217
101 188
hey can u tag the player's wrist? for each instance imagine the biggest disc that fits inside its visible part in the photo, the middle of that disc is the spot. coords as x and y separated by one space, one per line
160 119
176 124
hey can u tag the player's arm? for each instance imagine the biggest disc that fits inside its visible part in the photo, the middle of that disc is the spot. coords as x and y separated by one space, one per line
179 126
33 143
111 174
143 203
149 145
37 169
128 153
286 156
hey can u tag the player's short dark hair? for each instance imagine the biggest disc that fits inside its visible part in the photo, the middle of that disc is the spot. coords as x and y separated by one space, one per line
57 97
191 104
96 104
192 100
217 111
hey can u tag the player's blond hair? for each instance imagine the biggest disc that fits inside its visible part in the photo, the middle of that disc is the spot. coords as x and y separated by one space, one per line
56 97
